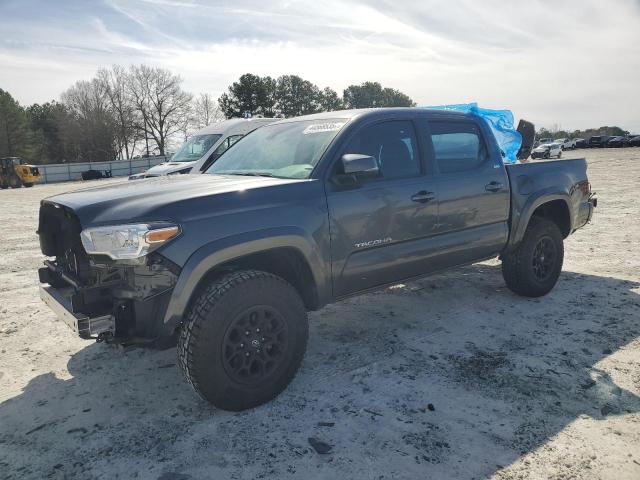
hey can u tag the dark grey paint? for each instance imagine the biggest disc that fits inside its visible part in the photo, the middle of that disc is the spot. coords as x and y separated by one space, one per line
355 238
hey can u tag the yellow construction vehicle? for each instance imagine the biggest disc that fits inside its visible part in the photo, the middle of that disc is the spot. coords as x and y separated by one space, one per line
15 172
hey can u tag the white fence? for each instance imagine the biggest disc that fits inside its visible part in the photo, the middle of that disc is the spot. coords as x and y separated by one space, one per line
64 172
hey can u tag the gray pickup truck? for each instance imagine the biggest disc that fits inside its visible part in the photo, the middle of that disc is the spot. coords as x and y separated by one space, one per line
298 214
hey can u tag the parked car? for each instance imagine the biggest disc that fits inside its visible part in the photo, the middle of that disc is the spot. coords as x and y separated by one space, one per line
635 141
547 150
598 141
204 147
566 143
617 142
92 174
580 143
542 141
297 215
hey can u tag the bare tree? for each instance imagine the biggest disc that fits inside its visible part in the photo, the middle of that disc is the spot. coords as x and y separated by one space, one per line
90 127
206 111
115 84
159 98
186 123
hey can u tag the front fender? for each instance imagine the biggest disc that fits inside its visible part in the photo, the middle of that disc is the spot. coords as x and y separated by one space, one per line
207 257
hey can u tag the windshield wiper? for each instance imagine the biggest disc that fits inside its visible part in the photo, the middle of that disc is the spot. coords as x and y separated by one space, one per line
248 174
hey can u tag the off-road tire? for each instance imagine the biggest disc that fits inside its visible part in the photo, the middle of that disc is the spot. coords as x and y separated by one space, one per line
213 313
27 185
517 266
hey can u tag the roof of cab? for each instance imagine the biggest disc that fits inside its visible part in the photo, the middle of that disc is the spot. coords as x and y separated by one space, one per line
235 125
371 112
243 125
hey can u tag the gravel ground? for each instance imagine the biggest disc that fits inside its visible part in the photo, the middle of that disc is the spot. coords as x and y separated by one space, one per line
451 377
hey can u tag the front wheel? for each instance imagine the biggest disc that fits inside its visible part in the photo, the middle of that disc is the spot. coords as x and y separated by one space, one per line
533 268
243 339
27 185
559 154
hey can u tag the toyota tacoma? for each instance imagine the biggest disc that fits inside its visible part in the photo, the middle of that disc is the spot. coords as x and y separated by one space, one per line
300 213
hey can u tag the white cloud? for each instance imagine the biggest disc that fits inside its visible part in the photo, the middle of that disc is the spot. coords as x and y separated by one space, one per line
574 63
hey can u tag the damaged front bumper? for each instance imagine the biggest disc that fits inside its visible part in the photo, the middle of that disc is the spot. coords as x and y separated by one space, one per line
98 297
61 302
129 309
126 304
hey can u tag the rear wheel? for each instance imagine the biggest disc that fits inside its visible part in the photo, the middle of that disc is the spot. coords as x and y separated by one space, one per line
533 268
28 185
243 339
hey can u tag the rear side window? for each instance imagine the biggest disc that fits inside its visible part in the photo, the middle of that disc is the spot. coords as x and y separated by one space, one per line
458 146
393 145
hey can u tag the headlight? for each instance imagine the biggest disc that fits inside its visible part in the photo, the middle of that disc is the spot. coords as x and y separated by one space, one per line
126 242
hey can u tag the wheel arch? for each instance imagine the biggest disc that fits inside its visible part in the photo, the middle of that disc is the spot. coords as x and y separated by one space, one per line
548 204
558 212
288 253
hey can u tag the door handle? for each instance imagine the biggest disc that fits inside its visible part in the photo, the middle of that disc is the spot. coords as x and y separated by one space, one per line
493 187
423 196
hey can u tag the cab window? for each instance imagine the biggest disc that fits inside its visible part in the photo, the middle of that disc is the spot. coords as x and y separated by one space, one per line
393 144
457 146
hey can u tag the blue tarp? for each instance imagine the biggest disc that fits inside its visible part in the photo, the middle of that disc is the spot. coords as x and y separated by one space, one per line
501 124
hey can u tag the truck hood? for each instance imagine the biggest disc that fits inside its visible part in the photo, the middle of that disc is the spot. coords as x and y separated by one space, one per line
166 198
168 167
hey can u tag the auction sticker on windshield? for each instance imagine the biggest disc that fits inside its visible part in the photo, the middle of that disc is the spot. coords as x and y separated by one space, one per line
323 127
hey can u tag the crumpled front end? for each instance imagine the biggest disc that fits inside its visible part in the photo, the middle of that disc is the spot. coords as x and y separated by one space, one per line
96 296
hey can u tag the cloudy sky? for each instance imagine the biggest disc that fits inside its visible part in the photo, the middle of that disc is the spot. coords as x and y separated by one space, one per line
571 63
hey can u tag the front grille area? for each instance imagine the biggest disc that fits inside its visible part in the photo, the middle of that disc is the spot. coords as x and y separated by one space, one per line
59 232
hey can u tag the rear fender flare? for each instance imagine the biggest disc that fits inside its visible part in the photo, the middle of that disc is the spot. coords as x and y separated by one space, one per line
520 220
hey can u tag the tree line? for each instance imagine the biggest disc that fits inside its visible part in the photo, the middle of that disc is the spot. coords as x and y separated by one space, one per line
292 96
115 114
585 134
122 112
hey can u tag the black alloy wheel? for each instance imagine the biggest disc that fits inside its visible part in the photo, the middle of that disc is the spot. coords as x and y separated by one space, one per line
544 258
254 344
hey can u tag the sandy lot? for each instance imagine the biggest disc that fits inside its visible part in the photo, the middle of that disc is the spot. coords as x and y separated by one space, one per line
452 377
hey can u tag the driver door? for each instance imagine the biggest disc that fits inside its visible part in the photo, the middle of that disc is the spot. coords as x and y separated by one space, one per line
381 227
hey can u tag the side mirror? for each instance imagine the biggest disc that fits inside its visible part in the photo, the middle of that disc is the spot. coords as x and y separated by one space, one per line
355 163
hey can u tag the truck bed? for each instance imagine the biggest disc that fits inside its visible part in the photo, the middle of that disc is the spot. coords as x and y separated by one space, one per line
564 179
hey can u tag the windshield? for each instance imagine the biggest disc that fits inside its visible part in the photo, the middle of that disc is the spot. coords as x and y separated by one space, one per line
195 147
285 150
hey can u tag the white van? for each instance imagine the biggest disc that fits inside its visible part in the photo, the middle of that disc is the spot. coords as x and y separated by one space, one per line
204 147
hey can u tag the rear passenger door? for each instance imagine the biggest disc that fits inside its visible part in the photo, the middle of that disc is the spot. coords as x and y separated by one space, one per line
473 190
